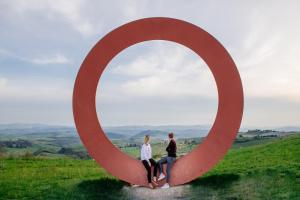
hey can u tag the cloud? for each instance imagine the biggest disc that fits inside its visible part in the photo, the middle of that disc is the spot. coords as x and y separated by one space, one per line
267 60
56 59
87 18
3 82
71 11
67 11
166 70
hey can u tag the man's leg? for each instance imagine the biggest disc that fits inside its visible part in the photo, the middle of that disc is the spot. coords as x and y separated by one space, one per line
160 163
170 161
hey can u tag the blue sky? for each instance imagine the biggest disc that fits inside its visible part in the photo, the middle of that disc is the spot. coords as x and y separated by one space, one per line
43 43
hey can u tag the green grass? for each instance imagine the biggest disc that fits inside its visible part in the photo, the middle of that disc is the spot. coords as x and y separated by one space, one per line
39 178
266 171
278 154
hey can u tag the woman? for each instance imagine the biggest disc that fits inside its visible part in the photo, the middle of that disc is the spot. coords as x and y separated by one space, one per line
146 157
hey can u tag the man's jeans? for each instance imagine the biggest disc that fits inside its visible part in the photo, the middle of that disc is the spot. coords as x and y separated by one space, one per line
169 161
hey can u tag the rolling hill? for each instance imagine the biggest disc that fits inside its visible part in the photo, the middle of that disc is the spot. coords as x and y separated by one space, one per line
157 134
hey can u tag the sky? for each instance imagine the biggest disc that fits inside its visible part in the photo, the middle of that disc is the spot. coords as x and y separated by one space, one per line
43 43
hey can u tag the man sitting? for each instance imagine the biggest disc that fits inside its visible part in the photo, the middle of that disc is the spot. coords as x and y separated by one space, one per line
169 159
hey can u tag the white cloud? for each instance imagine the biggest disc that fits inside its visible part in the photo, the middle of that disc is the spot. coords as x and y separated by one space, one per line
68 11
71 11
3 82
85 17
56 59
267 60
168 70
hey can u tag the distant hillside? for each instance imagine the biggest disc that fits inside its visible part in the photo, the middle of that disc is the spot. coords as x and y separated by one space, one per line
124 132
288 128
28 126
16 143
153 133
116 132
22 129
179 131
112 135
265 133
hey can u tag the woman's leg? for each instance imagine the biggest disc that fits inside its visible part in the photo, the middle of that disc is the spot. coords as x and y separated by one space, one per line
154 164
148 168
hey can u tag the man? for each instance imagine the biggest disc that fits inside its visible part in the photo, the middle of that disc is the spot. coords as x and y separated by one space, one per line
169 159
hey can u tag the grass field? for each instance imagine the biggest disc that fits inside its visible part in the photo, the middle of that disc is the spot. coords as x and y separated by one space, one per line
265 171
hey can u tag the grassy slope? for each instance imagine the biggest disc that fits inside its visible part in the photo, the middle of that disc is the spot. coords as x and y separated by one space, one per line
267 171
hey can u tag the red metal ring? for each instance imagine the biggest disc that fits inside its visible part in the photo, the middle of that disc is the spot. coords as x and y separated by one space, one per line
230 94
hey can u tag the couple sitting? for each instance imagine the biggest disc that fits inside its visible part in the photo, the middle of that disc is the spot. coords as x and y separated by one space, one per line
147 160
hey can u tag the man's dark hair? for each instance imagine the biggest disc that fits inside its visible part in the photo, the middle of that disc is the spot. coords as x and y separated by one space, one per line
171 135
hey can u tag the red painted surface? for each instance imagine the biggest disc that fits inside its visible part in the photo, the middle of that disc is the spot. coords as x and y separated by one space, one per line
230 94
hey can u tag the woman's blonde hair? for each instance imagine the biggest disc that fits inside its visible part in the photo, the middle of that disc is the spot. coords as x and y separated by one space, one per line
146 139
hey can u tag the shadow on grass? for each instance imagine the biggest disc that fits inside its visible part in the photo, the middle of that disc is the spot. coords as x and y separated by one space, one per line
216 181
105 188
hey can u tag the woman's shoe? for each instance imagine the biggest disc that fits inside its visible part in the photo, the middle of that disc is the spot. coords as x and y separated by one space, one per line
154 179
155 183
150 185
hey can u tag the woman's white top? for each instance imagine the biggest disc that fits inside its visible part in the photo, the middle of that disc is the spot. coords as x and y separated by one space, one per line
146 152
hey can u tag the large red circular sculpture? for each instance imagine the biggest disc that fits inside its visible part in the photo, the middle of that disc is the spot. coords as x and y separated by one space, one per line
230 94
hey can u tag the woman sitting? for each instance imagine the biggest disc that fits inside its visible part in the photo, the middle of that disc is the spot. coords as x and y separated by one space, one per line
146 157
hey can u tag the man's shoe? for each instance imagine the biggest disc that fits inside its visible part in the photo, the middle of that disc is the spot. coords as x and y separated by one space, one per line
165 186
161 177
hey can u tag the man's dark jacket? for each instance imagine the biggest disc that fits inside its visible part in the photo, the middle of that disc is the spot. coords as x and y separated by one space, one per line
171 148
